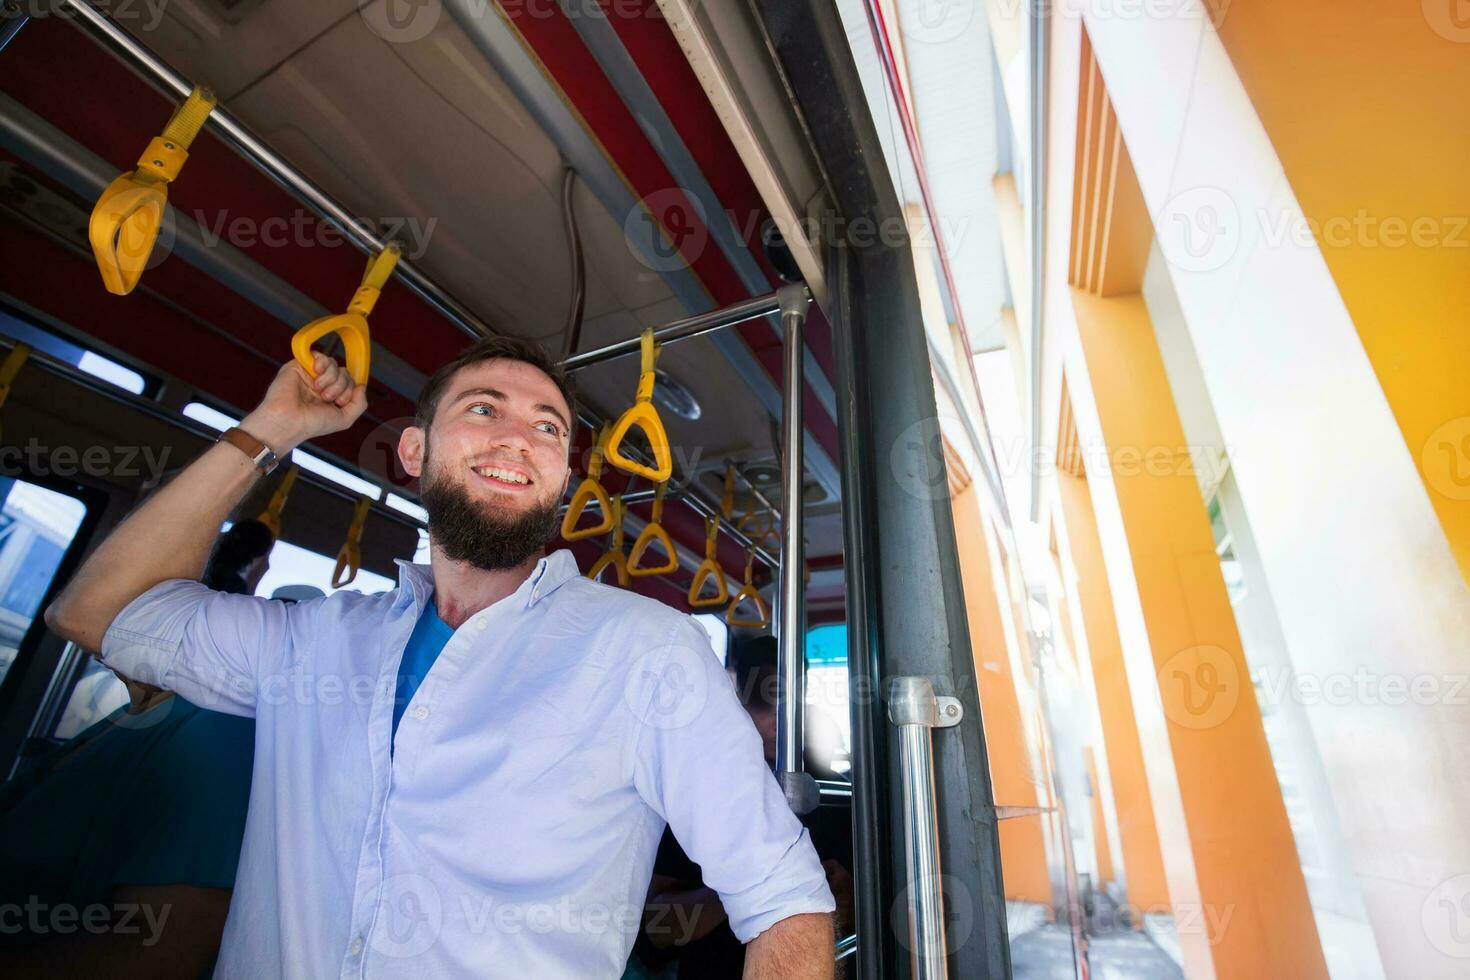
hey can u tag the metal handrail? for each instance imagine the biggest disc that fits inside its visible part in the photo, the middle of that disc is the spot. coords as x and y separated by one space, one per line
915 709
692 326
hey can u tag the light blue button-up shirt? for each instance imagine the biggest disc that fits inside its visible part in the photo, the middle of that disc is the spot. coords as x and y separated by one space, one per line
513 830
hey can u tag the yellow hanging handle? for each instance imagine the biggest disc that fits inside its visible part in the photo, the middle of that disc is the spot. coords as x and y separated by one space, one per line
127 217
654 532
646 417
349 558
732 615
710 566
271 516
14 361
614 555
589 490
352 326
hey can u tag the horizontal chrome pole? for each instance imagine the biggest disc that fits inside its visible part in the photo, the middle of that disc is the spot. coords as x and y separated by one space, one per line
693 326
251 147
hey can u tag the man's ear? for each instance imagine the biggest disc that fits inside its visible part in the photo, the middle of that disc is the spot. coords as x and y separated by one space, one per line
411 450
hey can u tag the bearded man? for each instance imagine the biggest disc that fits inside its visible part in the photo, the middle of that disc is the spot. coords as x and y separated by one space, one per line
468 775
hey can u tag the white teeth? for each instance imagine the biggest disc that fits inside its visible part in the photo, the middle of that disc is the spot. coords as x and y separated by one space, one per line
499 474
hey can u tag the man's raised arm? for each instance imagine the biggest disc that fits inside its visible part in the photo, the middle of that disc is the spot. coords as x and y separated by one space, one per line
170 536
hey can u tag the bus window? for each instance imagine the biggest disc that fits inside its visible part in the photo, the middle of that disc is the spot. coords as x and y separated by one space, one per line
828 722
36 528
293 565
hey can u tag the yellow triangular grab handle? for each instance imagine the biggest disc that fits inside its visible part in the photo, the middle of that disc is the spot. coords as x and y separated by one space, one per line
271 516
126 219
349 557
646 417
352 325
614 555
654 532
619 564
710 566
732 615
588 490
14 361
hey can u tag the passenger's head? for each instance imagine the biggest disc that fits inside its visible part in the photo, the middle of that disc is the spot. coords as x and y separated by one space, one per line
753 662
240 558
491 447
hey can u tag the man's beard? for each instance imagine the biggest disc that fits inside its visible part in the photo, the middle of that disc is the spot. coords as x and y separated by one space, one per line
471 531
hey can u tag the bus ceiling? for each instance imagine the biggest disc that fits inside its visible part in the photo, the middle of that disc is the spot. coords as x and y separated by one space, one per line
459 96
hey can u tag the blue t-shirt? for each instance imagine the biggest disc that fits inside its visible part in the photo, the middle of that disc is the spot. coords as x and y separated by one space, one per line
156 798
428 638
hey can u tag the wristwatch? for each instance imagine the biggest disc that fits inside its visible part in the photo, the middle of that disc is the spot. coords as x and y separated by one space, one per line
263 456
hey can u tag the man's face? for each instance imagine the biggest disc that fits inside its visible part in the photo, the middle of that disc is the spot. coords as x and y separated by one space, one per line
496 457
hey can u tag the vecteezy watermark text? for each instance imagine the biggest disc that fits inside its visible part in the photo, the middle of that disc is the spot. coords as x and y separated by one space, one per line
120 918
36 459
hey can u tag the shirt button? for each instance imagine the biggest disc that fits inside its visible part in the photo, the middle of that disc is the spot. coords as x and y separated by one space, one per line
356 945
421 712
481 623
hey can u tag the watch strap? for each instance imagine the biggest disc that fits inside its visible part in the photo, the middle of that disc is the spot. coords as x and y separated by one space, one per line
259 453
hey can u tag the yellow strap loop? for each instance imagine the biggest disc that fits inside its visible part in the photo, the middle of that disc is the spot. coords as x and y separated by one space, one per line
655 531
271 516
352 326
14 361
125 222
614 555
732 615
589 490
349 558
710 566
644 415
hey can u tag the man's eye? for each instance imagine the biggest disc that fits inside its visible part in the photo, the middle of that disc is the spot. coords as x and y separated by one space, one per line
483 409
549 427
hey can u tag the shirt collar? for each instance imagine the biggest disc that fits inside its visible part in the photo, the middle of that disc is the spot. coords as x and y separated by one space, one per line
416 582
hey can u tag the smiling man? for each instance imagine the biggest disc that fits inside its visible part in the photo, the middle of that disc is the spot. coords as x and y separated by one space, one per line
468 775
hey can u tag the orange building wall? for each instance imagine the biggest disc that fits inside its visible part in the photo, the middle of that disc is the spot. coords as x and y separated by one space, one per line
1365 105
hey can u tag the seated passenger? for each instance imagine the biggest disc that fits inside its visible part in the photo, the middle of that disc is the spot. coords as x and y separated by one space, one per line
508 826
684 925
118 850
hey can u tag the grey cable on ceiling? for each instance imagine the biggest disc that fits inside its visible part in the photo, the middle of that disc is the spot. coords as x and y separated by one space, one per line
572 336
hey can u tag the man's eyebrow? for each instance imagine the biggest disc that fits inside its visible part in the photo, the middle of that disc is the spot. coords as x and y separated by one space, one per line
499 395
552 409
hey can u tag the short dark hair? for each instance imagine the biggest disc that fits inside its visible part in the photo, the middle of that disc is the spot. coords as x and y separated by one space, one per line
244 542
495 349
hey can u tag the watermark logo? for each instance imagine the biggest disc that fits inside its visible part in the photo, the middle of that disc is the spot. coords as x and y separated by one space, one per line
1200 687
1445 916
401 21
668 687
1199 230
378 453
959 914
1450 19
667 230
918 460
937 21
410 915
1445 459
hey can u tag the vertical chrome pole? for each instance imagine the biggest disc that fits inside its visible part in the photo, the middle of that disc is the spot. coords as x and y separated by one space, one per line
800 788
914 708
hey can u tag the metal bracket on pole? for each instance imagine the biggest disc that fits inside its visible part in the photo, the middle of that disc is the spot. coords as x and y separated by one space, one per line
917 711
800 788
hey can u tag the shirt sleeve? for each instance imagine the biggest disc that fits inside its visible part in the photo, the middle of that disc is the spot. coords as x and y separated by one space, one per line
211 647
700 765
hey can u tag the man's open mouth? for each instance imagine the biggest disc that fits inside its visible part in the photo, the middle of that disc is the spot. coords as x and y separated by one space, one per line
507 476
